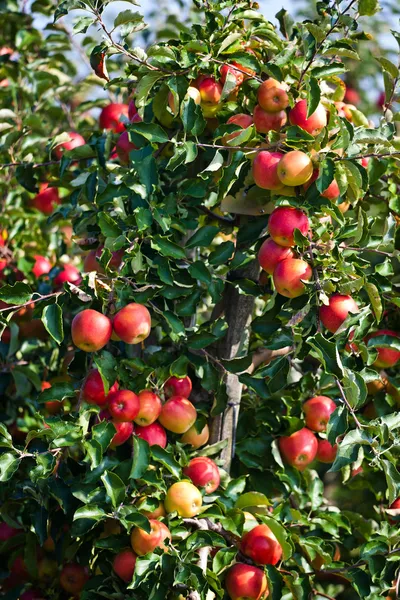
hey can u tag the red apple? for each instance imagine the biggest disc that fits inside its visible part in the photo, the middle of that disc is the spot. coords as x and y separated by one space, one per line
295 168
91 330
178 414
93 389
73 578
178 386
123 147
283 222
352 96
150 408
195 439
46 200
124 430
245 582
42 265
154 434
264 91
75 140
123 405
143 542
241 120
273 100
265 122
265 170
204 473
289 275
53 407
132 324
299 449
184 498
7 532
317 411
110 117
270 254
386 356
315 122
210 89
133 114
365 161
334 314
68 274
92 264
124 564
326 453
261 545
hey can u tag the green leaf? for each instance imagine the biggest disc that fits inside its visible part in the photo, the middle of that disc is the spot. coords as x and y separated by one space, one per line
109 227
368 7
89 511
326 174
52 318
166 459
167 248
384 341
17 294
392 480
328 70
327 353
127 16
223 558
151 131
141 458
313 96
203 236
115 488
9 463
238 365
58 391
375 299
199 271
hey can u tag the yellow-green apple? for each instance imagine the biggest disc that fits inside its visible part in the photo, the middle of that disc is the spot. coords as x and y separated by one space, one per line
143 542
123 405
68 274
150 408
42 265
265 121
154 434
246 582
271 253
93 389
73 578
326 453
299 449
124 431
261 545
191 92
178 386
178 414
317 411
295 168
46 200
273 100
194 438
110 117
265 170
386 356
283 222
314 124
75 140
124 564
184 498
90 330
132 324
334 314
123 147
241 120
289 275
204 473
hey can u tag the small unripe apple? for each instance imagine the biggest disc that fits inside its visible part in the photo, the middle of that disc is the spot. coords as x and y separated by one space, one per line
46 200
143 542
68 274
93 389
75 140
132 324
261 545
265 170
91 330
326 453
204 473
283 222
299 449
334 314
317 411
295 168
124 564
73 578
124 431
150 408
386 356
241 120
110 117
154 434
178 386
246 582
178 414
265 121
195 439
123 147
271 253
289 275
123 405
184 498
315 122
42 265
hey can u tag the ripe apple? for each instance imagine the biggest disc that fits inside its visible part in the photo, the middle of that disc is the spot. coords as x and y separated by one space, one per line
19 568
386 356
156 513
265 89
195 439
93 389
282 223
178 414
332 192
7 532
271 253
42 265
265 121
124 430
124 564
123 147
91 264
317 411
178 386
73 578
246 582
75 140
265 170
365 161
204 473
191 92
315 122
132 324
299 449
210 89
352 96
154 434
150 408
46 200
68 274
273 100
241 120
123 405
53 407
90 330
184 498
295 168
326 453
289 275
238 75
261 545
133 114
143 542
110 117
334 314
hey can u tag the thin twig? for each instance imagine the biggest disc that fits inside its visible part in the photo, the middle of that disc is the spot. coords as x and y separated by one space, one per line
33 301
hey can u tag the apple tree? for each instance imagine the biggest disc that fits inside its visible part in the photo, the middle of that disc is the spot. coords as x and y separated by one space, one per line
200 330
